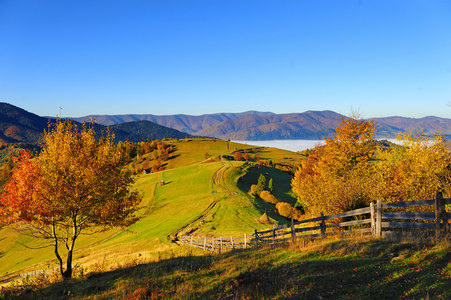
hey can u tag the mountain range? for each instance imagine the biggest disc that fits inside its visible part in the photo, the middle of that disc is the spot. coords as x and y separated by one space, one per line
253 125
18 125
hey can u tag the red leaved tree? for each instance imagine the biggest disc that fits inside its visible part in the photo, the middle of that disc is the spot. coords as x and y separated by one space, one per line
76 185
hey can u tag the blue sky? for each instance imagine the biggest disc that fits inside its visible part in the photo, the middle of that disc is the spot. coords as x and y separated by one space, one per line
377 57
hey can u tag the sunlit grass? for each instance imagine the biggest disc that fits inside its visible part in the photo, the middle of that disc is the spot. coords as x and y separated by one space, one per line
356 268
188 190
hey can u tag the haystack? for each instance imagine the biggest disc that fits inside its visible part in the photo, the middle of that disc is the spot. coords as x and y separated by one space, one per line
264 219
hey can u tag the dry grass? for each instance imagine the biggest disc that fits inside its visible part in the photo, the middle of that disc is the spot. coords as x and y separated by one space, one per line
356 268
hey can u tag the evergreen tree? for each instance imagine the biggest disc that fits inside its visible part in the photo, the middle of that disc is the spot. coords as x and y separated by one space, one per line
270 184
261 184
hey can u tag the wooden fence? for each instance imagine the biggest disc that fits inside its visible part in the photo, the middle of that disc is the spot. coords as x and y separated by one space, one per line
216 244
378 219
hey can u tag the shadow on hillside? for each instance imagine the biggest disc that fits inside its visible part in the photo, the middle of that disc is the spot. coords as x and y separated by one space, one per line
343 269
281 182
96 284
173 156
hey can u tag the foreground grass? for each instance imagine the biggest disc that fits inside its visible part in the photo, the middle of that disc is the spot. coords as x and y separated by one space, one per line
333 269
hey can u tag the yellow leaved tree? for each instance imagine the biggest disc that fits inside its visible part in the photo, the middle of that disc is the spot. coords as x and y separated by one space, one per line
415 171
336 176
77 184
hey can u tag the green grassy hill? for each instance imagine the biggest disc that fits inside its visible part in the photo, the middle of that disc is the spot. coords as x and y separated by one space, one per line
199 196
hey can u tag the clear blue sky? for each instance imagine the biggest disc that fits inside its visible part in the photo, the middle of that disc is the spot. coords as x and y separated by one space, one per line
377 57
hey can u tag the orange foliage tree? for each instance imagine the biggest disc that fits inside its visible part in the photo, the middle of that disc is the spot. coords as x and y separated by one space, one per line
238 156
75 185
336 177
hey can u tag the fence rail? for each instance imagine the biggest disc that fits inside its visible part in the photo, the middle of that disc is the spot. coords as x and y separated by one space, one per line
213 244
370 220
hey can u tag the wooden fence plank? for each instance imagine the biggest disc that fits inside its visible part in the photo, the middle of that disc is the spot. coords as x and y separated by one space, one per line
408 215
351 213
308 229
308 221
408 225
350 223
409 203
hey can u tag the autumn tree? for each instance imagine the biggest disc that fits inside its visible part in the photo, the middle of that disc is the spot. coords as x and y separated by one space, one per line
268 197
76 185
337 176
238 156
145 165
246 156
415 171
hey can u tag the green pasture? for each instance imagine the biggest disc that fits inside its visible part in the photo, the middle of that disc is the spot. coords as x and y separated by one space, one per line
191 185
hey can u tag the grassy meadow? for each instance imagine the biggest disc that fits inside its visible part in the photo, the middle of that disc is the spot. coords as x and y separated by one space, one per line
210 197
199 196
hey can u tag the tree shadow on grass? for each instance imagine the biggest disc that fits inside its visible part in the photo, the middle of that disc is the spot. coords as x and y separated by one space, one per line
107 284
273 272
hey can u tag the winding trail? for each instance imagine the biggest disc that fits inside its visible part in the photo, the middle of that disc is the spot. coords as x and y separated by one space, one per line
218 176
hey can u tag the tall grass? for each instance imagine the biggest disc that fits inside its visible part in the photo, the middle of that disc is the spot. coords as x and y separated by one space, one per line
356 268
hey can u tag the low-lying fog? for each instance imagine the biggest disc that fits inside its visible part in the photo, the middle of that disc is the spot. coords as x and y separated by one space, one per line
292 145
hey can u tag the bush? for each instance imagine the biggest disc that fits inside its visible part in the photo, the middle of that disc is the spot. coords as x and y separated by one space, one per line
268 197
254 190
285 209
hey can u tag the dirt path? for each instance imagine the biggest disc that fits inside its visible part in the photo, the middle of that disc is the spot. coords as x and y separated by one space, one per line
218 176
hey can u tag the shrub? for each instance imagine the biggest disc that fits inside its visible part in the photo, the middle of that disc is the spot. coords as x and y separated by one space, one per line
268 197
285 209
254 190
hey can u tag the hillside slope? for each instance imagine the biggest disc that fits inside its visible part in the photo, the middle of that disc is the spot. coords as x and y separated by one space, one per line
199 195
19 125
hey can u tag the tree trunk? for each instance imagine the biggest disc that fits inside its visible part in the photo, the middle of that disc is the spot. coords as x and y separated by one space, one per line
55 239
68 273
70 249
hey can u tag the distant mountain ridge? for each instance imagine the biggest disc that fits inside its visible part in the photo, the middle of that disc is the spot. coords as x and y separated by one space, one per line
253 125
20 126
181 122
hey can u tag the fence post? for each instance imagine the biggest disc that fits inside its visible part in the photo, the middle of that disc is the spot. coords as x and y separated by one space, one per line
293 233
256 236
191 240
205 243
379 217
245 241
323 225
441 217
231 241
273 233
373 223
220 243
